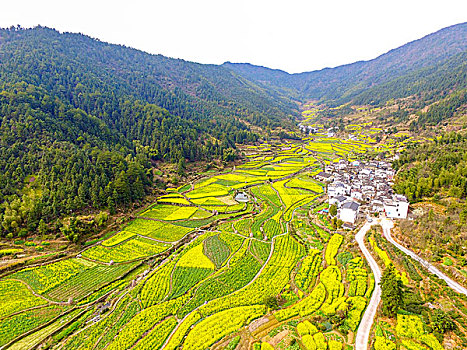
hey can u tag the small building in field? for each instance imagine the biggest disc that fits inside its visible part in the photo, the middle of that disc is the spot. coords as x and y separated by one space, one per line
242 197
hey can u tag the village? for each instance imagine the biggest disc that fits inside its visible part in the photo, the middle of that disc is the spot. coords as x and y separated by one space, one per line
361 190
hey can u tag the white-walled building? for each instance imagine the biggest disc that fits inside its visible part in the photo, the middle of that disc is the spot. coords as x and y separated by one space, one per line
338 201
363 186
323 176
396 208
377 206
242 197
349 212
338 189
356 194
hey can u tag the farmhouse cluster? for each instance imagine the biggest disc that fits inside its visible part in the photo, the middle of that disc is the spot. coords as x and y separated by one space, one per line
362 188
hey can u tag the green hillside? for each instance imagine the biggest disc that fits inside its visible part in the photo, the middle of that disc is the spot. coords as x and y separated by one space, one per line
433 63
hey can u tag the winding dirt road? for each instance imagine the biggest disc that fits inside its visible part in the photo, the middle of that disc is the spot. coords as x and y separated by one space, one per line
387 225
363 332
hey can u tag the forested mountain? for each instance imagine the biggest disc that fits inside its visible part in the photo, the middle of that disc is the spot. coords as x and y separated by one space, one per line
434 169
77 160
92 75
82 120
432 64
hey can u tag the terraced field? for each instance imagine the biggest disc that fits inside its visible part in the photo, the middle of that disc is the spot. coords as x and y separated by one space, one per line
199 270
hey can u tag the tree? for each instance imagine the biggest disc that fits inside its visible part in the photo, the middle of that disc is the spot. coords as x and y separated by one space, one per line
441 322
101 218
333 210
71 231
228 154
271 303
111 205
181 167
334 222
42 227
391 291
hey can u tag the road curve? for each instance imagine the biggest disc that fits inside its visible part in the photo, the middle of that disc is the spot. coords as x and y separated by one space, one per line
363 332
387 225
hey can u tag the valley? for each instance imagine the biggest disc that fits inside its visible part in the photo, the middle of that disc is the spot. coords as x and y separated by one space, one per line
241 254
248 256
148 202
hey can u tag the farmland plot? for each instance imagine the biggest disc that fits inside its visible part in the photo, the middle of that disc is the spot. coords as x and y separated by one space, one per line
241 257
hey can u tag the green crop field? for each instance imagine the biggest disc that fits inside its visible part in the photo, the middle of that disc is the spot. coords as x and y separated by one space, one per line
133 249
169 212
118 238
305 183
173 199
15 296
13 326
309 270
87 281
214 289
44 278
158 230
216 250
243 227
213 190
260 249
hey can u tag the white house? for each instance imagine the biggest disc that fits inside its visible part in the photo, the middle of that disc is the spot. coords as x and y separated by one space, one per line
242 197
368 188
338 189
356 194
380 173
342 166
396 208
377 206
338 201
349 212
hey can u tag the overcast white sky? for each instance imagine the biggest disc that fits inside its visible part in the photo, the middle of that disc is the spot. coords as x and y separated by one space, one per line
291 35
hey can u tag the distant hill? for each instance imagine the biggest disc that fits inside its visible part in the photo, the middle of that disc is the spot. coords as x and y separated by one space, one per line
434 61
71 64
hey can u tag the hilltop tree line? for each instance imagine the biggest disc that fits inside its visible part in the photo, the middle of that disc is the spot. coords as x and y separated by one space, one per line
436 168
441 111
95 76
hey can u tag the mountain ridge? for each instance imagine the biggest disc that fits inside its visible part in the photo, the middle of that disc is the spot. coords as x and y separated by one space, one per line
329 84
